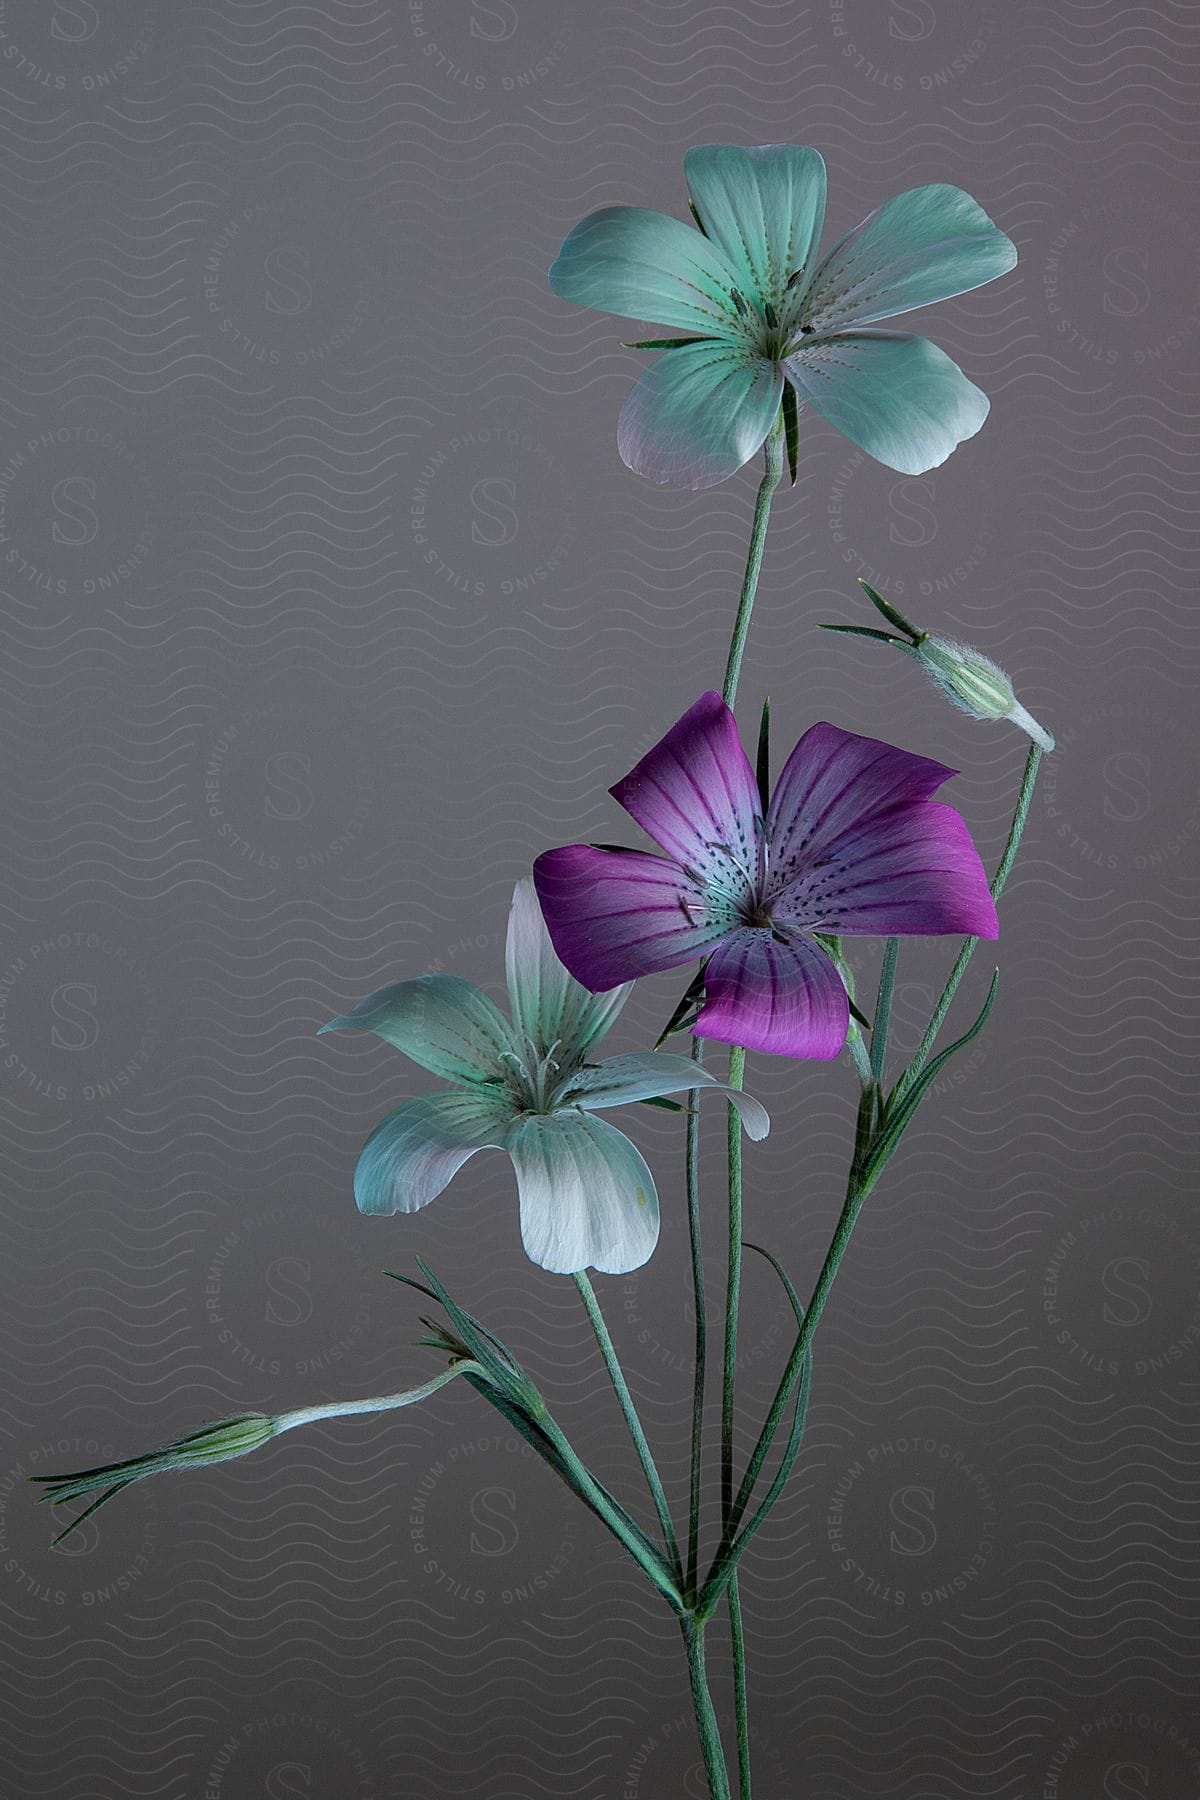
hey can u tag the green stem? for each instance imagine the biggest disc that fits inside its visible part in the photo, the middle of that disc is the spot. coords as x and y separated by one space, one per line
621 1386
741 1705
346 1409
1003 869
693 1210
758 537
726 1562
883 1007
737 1069
581 1478
706 1718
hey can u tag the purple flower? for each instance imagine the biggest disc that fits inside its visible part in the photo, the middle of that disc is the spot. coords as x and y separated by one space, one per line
852 845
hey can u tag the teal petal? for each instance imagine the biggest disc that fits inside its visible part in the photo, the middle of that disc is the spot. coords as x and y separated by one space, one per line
764 207
410 1157
620 1079
587 1198
927 244
548 1004
446 1024
646 265
900 399
695 416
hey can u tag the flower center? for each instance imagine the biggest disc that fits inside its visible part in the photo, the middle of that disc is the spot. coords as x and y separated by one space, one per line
758 915
534 1078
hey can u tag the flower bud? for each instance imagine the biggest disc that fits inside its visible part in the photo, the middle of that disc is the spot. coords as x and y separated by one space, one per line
969 680
975 684
221 1442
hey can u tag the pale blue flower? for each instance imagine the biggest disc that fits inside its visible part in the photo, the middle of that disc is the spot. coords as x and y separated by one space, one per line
528 1087
767 322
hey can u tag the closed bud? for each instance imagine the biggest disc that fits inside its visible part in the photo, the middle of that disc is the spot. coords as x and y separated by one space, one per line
975 684
221 1442
969 679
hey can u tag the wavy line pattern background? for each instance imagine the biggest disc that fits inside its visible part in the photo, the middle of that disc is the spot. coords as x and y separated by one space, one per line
327 605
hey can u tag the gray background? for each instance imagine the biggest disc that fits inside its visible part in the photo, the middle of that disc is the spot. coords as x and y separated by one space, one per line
275 277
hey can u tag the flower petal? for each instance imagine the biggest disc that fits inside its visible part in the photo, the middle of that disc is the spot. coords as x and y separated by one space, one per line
587 1198
696 795
646 265
900 399
547 1002
764 207
650 1074
857 847
783 997
832 781
616 914
909 872
927 244
446 1024
409 1158
698 413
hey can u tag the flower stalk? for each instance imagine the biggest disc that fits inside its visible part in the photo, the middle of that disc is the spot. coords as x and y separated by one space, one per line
772 474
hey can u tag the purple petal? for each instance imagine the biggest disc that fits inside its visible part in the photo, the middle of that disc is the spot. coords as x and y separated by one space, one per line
615 914
695 794
785 998
832 781
699 413
911 871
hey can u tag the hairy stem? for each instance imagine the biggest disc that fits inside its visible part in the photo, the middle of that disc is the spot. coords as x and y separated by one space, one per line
621 1386
693 1211
758 537
1003 870
706 1718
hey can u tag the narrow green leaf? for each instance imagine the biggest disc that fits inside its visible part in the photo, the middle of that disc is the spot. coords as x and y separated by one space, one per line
890 613
860 1016
689 1000
695 214
791 428
663 343
865 631
895 1124
763 764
